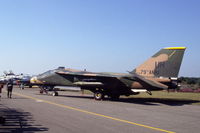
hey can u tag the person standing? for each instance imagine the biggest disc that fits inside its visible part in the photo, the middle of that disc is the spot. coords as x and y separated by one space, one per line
1 87
21 86
9 88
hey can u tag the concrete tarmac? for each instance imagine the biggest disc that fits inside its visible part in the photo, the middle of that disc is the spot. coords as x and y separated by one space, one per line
70 112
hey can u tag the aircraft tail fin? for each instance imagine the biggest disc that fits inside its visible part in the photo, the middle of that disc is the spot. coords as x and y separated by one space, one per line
165 63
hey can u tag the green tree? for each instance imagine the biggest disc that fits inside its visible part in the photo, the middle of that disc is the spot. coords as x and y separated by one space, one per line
191 81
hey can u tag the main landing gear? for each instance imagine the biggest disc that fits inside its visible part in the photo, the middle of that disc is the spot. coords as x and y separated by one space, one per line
55 93
48 90
99 94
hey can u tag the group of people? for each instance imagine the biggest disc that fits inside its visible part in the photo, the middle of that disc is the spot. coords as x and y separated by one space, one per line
9 86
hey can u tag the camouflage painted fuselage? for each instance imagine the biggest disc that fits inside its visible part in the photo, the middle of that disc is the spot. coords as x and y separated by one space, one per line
157 73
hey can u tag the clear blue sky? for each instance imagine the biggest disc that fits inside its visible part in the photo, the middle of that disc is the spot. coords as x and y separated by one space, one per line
99 35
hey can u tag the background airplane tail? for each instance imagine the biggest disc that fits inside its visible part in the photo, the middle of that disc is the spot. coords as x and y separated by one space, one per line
165 63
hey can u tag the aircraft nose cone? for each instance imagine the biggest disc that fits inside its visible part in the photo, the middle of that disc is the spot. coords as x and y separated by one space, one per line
33 80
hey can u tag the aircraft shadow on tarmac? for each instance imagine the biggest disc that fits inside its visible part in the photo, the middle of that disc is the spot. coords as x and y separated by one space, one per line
143 101
82 97
158 101
18 121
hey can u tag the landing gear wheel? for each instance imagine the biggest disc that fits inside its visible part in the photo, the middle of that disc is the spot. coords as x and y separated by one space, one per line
41 91
55 93
2 120
98 95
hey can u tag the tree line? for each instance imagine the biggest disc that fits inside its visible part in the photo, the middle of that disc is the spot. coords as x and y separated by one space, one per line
190 80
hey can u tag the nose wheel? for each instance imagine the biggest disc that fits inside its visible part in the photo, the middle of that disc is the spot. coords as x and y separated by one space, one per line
55 93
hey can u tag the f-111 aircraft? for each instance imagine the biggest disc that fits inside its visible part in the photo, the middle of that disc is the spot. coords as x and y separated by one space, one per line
157 73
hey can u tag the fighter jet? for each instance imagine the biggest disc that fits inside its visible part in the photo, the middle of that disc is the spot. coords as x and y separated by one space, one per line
20 79
157 73
8 76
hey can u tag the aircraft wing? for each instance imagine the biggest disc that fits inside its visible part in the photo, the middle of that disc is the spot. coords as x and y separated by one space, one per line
89 74
90 78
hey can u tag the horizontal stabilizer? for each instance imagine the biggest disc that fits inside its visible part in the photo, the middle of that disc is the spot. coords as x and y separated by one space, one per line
152 83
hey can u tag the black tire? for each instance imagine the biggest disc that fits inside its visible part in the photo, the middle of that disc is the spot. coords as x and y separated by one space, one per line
98 95
2 120
55 93
41 91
